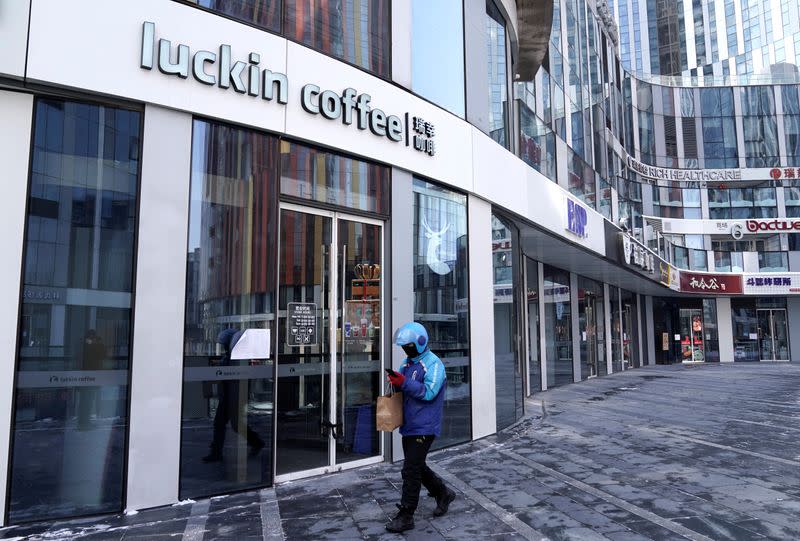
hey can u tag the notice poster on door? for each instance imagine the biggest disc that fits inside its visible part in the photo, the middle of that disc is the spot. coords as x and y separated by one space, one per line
301 324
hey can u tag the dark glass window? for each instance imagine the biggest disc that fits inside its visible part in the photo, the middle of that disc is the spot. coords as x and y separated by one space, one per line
441 296
534 345
356 32
508 376
321 176
558 326
497 70
70 417
591 325
537 143
226 435
630 330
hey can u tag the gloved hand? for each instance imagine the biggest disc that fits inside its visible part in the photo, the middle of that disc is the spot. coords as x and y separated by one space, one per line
397 379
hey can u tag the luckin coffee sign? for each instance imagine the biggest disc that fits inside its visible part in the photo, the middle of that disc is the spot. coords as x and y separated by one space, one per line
250 79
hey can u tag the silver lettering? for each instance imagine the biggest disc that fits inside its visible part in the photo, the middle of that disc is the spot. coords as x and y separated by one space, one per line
165 65
148 38
198 67
271 79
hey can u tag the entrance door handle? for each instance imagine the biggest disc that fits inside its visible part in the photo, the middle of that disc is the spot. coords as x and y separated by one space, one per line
329 428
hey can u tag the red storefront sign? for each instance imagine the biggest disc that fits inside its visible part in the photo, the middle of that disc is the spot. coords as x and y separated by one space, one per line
780 224
714 284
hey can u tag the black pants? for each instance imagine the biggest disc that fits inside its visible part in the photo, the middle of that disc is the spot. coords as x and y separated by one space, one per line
417 473
228 411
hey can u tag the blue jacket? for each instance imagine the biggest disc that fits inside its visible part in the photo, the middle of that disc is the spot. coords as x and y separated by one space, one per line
423 395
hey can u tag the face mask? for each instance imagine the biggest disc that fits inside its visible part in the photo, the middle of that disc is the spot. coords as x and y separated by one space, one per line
411 350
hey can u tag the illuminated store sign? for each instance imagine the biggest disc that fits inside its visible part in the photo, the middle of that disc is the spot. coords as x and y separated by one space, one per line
249 78
714 284
663 173
577 218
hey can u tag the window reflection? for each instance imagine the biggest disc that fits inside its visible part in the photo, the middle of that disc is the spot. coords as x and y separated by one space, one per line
498 91
441 296
70 417
558 326
227 419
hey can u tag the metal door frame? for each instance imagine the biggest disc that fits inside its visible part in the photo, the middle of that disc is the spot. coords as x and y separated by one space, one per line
333 310
772 333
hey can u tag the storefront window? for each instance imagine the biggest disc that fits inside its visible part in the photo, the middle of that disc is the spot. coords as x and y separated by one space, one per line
616 330
558 326
710 333
437 52
226 436
591 325
441 296
321 176
745 330
497 70
71 409
508 376
534 346
630 330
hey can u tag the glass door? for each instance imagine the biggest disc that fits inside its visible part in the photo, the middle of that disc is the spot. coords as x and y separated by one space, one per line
691 326
329 342
773 341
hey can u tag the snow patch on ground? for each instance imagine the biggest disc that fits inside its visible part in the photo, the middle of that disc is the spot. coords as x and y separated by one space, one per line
188 501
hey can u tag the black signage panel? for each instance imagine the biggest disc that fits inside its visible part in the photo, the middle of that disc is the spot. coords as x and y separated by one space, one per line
301 324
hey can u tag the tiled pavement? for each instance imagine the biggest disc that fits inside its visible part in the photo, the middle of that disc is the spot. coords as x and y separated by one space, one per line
700 452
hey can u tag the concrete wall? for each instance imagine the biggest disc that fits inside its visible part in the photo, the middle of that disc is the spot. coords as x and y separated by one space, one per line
157 360
481 328
16 117
725 329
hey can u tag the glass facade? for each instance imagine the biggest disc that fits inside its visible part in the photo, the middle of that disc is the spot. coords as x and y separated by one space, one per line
498 74
532 297
558 326
508 376
441 296
71 408
228 404
437 53
356 32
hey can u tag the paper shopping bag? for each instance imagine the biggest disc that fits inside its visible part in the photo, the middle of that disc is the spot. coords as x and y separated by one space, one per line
389 413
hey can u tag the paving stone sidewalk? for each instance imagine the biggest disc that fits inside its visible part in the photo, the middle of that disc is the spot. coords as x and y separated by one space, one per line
680 452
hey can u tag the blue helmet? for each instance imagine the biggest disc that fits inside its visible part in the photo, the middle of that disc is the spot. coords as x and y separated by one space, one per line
412 333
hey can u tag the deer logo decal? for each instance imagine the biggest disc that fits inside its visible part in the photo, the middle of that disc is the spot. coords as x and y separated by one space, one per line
432 255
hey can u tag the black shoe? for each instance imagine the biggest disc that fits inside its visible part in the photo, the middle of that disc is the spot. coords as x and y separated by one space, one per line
443 502
213 456
403 520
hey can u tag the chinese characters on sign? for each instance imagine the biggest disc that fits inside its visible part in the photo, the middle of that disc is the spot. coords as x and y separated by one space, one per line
771 284
719 284
636 254
787 172
423 136
301 324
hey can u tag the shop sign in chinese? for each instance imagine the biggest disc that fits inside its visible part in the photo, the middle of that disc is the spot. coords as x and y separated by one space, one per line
712 284
669 276
301 324
771 283
778 173
637 254
577 218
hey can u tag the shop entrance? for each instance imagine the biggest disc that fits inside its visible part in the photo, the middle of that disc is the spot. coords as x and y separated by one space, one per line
773 338
691 327
329 343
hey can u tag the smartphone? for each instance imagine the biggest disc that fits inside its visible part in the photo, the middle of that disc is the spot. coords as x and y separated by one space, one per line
391 372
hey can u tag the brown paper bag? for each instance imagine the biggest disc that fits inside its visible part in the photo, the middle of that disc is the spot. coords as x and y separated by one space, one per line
389 414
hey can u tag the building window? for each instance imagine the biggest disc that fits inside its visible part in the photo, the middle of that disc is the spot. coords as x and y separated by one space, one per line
69 436
719 128
441 296
230 286
356 32
537 143
437 52
773 261
760 126
498 74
